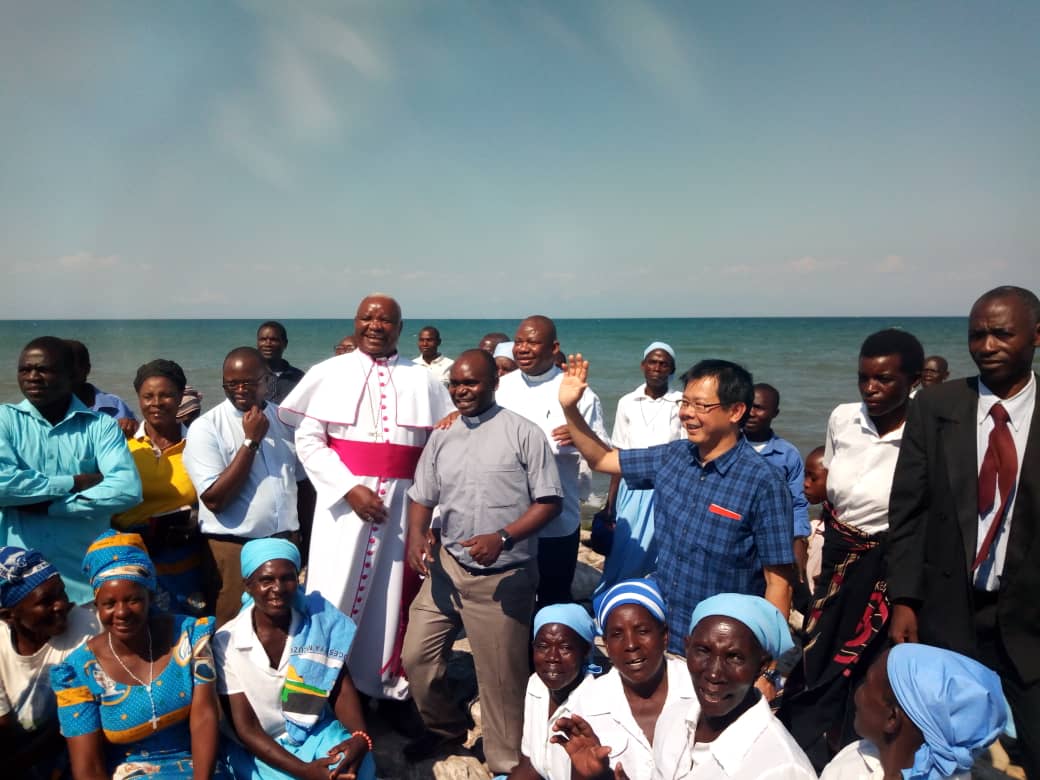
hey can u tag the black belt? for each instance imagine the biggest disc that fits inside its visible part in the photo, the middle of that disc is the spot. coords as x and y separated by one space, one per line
290 535
497 570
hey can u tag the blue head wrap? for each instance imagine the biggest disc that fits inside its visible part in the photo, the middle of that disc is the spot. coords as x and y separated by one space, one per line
119 556
659 345
763 619
256 552
956 702
644 592
574 617
21 571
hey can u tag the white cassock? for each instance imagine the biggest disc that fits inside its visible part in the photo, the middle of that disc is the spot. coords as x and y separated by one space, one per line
364 421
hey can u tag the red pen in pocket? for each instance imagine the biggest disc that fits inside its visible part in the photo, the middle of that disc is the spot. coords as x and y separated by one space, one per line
721 510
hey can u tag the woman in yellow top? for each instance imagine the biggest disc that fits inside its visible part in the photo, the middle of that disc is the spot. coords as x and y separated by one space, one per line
166 517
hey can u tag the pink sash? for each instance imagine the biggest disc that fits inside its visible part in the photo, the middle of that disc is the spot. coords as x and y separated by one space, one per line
377 459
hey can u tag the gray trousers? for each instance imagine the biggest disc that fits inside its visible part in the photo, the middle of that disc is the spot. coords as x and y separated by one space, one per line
495 610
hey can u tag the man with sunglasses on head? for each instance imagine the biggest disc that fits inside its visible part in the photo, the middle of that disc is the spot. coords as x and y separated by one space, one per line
722 514
242 460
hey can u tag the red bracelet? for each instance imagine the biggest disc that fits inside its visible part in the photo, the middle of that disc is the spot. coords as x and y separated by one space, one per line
364 736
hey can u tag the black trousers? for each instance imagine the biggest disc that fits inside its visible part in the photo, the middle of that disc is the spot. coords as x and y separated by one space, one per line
1024 698
557 560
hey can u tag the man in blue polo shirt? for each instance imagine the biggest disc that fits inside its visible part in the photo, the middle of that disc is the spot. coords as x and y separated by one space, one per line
722 513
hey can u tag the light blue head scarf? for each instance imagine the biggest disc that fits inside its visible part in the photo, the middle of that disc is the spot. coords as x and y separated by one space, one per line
256 552
659 345
644 592
763 619
956 702
573 616
119 556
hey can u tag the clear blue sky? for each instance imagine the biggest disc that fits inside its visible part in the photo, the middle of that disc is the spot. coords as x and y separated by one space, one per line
495 158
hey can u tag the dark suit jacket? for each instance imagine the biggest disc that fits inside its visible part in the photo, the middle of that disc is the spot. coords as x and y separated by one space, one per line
933 528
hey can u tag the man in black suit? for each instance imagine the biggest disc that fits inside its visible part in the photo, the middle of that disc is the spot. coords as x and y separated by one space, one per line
964 515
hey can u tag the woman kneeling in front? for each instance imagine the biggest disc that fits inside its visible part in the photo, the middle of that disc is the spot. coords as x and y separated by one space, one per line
137 699
925 713
283 677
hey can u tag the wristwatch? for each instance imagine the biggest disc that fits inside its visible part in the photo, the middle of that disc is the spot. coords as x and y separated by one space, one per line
250 444
507 540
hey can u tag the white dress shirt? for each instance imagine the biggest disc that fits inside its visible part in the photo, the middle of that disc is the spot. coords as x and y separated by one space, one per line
641 421
756 745
606 708
861 761
440 367
243 667
538 399
860 466
549 760
266 504
1020 411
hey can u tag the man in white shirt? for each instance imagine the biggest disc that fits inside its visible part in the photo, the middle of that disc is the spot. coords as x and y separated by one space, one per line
533 392
964 514
242 460
429 358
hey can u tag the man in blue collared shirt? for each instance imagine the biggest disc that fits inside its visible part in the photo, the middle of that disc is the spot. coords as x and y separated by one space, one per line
93 397
722 514
785 458
64 469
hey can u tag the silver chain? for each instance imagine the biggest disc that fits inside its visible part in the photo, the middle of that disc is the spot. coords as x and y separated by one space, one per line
151 673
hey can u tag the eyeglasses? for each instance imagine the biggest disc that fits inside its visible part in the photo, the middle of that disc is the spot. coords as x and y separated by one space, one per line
697 406
244 384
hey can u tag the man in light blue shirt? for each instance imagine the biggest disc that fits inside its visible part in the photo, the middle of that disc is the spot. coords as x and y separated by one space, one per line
93 397
242 460
64 469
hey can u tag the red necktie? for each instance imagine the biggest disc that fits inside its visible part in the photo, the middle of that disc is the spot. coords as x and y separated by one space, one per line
999 466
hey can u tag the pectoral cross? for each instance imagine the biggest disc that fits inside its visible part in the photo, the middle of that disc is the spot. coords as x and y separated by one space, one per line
155 722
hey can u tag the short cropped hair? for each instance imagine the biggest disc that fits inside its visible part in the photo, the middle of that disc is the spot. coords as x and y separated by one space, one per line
893 341
430 329
1028 297
163 368
735 385
277 326
768 388
60 348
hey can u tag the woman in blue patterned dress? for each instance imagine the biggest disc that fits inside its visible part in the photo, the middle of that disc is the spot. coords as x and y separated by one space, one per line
138 699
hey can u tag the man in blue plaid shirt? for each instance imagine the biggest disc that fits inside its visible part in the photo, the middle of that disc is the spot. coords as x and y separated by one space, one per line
722 514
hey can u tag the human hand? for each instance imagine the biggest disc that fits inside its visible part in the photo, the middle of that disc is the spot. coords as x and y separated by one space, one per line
765 685
127 426
81 482
903 626
353 751
801 556
419 550
445 422
318 769
484 548
366 504
589 759
562 436
573 384
255 424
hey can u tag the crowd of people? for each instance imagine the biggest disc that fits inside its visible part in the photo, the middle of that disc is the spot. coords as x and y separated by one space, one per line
232 593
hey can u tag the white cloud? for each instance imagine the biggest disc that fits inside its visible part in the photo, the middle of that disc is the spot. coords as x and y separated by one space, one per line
891 264
87 261
235 127
651 44
809 264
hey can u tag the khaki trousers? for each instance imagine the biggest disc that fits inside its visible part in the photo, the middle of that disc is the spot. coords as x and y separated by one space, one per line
495 610
223 574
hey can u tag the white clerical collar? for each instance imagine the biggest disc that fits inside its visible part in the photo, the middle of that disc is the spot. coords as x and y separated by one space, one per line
540 379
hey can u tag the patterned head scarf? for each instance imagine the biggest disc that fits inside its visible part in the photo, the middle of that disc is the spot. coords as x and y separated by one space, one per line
956 702
191 402
644 592
21 571
119 556
762 618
